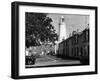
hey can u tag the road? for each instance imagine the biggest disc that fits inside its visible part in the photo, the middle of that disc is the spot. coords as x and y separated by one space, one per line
48 60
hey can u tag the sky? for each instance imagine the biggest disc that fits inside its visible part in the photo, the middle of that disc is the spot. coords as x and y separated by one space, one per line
72 21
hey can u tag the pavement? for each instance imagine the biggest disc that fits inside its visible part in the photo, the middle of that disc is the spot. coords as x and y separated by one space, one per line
47 60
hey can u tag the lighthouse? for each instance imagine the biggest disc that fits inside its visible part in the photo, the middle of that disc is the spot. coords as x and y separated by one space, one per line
62 30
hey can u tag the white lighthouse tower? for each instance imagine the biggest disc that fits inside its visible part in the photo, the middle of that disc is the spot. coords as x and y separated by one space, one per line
62 30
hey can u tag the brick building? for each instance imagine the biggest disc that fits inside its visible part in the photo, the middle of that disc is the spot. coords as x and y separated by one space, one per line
76 46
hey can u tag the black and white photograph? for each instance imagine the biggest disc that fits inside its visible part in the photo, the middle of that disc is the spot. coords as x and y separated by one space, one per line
51 40
56 39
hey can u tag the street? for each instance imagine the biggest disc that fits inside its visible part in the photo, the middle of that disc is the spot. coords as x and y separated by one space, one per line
47 60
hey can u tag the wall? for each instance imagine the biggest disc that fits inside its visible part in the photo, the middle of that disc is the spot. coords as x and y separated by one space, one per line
5 40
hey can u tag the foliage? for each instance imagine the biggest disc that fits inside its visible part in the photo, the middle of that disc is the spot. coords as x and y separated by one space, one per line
39 29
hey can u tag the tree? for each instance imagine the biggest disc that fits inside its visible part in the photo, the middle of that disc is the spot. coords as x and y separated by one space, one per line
39 29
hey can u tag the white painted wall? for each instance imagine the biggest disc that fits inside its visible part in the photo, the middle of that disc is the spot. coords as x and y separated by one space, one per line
5 40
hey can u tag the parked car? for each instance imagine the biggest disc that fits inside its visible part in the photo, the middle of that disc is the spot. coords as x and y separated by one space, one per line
30 60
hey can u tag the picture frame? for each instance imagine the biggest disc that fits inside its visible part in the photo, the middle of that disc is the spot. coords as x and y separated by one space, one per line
20 11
